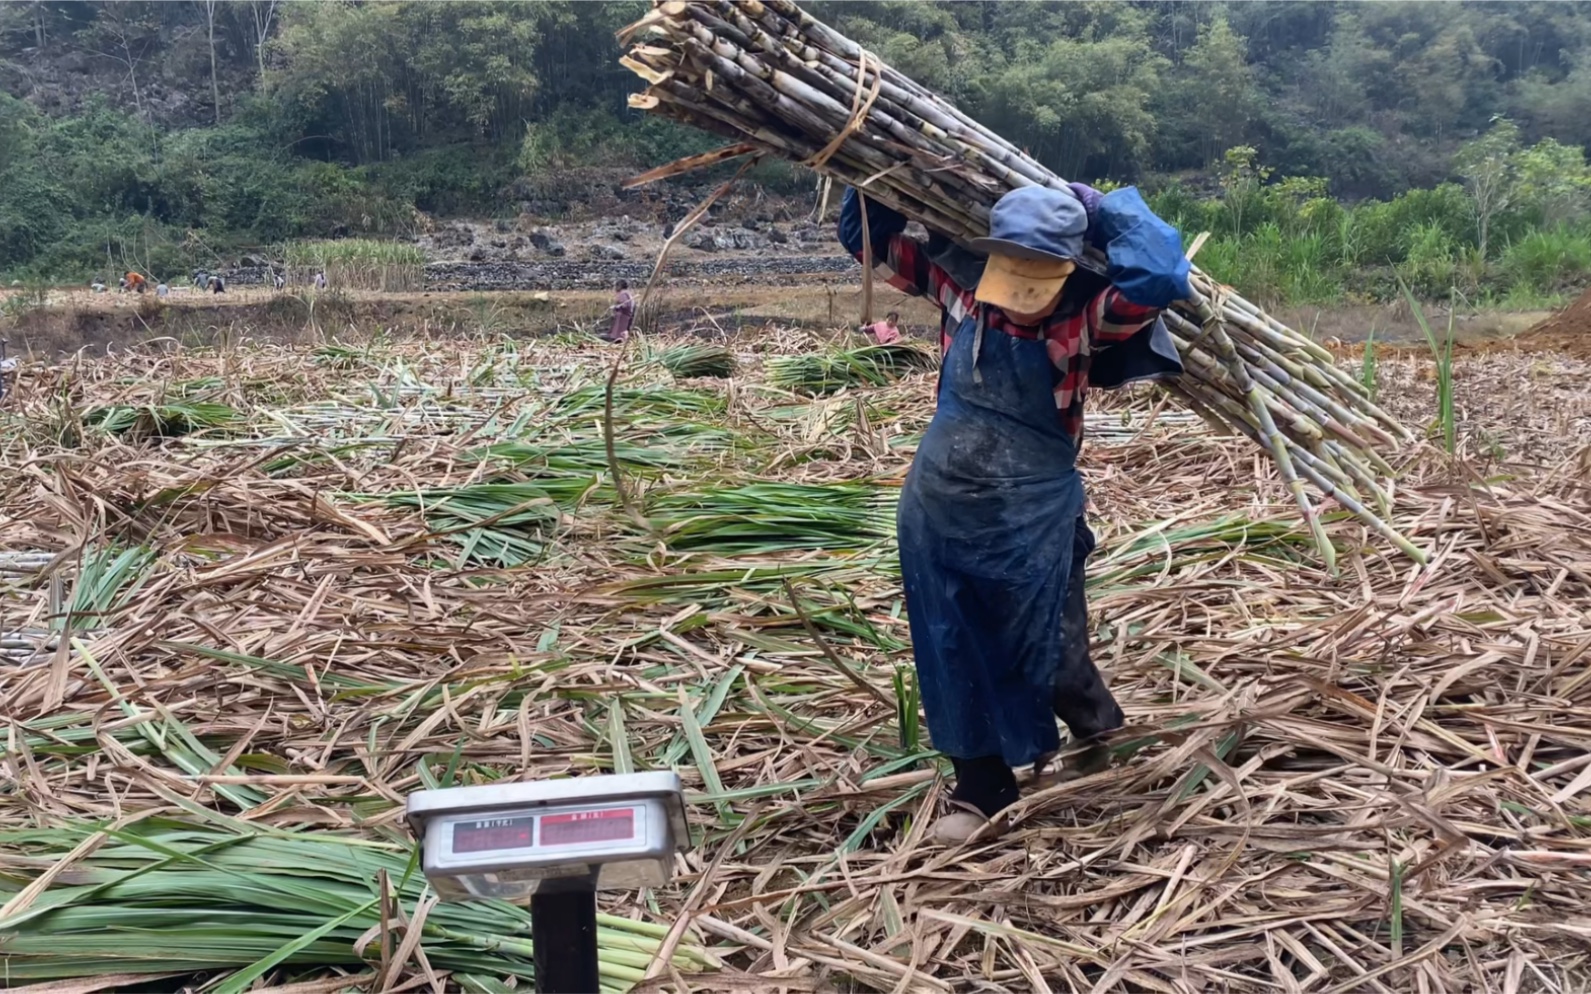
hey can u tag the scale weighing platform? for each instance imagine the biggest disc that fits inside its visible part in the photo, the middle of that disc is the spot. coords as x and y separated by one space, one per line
553 844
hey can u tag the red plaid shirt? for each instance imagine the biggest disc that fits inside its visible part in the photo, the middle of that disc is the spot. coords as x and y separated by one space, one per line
1107 318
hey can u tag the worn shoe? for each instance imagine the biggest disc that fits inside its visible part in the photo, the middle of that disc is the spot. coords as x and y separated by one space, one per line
1041 768
1083 762
960 824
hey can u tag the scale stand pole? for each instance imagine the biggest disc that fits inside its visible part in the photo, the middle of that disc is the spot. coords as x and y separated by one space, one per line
563 930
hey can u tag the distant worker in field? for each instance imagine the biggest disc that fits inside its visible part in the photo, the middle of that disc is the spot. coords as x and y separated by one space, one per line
279 280
97 286
623 311
320 281
991 531
201 279
885 332
162 290
217 284
134 281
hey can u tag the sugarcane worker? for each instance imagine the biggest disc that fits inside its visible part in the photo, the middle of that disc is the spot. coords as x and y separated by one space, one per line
885 332
623 311
992 536
136 281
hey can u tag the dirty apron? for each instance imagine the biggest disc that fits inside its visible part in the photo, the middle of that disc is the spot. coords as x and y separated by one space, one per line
992 542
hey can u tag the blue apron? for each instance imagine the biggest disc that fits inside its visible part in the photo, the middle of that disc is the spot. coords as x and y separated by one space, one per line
992 541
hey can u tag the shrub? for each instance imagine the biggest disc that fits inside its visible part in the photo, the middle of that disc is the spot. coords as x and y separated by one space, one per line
358 263
1547 261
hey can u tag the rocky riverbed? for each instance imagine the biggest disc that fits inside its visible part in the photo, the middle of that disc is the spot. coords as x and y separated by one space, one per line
599 274
746 237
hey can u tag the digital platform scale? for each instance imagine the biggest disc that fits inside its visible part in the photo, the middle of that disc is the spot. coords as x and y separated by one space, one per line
553 844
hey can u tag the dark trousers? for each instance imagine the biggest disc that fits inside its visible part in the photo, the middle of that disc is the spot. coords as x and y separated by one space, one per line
1080 698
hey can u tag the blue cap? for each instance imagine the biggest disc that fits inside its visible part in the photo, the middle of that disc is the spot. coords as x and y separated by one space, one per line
1035 222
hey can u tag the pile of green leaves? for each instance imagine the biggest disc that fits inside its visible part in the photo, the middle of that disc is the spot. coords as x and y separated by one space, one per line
503 524
820 373
686 361
167 898
760 518
168 420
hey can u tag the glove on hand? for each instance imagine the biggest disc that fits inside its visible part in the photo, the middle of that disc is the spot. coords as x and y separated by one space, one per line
1090 199
1088 195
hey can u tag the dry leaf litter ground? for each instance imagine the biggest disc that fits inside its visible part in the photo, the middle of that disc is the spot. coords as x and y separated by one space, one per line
1378 781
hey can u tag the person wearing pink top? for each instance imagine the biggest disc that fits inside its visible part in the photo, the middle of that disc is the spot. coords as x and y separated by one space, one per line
623 311
886 331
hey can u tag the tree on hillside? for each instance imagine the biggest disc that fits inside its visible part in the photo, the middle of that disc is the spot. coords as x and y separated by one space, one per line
208 8
1078 103
1336 80
924 40
1444 81
125 32
34 205
262 13
1561 108
1553 179
459 70
1487 166
1211 103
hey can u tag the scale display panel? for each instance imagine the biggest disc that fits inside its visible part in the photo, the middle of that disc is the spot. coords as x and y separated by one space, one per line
493 834
504 841
574 828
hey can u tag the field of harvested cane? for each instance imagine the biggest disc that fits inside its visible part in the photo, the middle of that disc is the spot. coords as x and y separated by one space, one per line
251 596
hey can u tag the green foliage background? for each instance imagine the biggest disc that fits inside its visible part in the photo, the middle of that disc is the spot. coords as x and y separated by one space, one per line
1325 145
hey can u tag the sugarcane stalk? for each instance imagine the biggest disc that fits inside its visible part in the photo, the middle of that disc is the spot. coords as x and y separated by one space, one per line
766 73
1274 440
1242 419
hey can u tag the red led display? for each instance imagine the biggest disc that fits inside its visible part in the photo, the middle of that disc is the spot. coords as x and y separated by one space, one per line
493 833
612 825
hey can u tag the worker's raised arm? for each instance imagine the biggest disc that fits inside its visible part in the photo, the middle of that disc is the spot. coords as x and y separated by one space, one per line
902 261
1147 268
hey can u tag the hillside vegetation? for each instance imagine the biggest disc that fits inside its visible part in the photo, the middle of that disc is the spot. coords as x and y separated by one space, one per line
1327 146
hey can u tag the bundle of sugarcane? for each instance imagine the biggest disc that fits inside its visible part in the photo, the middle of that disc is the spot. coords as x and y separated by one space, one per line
776 81
167 898
687 361
168 420
819 373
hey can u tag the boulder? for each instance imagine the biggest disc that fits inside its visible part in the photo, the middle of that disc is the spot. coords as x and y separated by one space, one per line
452 236
546 243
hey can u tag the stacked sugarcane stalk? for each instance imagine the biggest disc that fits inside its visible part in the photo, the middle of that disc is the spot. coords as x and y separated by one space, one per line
692 361
776 81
